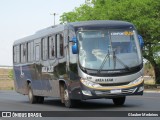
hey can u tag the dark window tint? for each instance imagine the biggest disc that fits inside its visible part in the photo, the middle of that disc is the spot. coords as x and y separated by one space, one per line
16 54
44 49
60 50
61 45
30 52
37 53
52 47
23 53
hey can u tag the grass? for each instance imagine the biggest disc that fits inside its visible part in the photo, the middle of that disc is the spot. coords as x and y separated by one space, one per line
6 84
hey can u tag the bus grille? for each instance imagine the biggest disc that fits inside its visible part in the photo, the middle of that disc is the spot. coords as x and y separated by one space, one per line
125 91
115 84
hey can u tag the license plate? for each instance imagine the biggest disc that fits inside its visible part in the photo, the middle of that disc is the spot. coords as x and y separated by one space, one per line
116 91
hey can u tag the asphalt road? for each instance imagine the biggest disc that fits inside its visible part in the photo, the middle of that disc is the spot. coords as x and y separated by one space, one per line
12 101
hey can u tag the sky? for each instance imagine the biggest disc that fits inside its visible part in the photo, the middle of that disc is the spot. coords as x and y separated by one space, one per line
21 18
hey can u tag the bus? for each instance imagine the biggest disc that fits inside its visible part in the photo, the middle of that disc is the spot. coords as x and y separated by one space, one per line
80 61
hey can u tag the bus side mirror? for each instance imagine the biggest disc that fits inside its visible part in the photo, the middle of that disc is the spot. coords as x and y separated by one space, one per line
141 41
75 45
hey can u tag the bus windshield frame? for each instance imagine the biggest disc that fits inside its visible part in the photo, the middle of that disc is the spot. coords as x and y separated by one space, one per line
109 49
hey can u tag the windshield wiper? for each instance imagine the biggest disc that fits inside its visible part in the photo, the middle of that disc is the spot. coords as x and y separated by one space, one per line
104 61
116 58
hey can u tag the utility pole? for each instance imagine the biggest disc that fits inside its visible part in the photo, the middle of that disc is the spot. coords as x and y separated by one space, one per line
54 17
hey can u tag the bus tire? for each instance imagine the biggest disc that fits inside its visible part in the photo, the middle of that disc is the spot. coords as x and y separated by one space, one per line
119 101
32 98
69 103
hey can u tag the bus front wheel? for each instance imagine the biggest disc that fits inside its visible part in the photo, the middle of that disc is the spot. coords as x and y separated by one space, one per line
119 100
66 98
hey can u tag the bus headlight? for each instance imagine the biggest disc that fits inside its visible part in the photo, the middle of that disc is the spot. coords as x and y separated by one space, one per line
137 81
89 83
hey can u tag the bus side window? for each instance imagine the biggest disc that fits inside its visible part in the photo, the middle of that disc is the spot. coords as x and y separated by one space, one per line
30 52
23 53
51 47
16 53
37 53
61 45
44 48
60 49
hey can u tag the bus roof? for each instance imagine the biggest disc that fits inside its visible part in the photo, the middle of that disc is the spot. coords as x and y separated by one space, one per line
105 23
59 28
41 33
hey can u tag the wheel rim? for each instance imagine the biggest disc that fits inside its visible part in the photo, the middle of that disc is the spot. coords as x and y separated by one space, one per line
30 94
66 95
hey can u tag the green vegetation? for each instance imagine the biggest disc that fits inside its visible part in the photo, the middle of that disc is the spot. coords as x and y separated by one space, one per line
6 79
148 70
6 84
11 74
143 13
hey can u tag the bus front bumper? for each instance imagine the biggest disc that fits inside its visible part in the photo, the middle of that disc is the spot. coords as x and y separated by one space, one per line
94 94
112 91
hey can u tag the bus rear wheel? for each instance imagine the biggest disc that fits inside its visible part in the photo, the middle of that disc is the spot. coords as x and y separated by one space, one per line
40 99
119 100
32 99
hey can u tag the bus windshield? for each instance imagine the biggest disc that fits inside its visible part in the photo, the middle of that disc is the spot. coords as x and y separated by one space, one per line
108 49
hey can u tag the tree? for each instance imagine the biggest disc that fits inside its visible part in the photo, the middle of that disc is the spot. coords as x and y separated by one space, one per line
79 14
143 13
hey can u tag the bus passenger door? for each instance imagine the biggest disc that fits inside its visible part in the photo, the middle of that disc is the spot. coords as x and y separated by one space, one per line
37 84
72 58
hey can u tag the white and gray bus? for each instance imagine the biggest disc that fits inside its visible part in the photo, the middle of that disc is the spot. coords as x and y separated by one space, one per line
79 61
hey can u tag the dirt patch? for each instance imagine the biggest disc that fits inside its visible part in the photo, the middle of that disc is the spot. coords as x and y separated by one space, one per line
6 84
